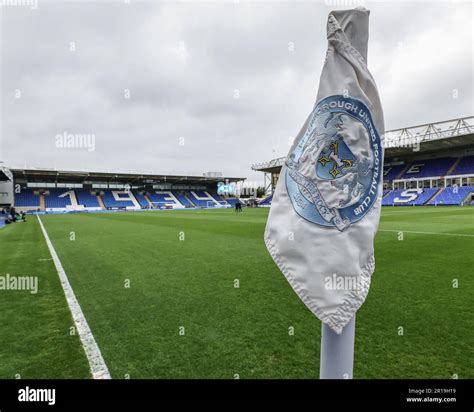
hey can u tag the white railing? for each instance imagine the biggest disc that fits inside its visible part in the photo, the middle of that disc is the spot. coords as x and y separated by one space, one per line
407 136
428 132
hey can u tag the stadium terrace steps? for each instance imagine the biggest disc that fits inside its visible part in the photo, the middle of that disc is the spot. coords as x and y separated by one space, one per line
216 197
142 200
196 199
469 198
454 166
187 197
267 201
394 172
182 198
148 200
402 171
464 166
425 196
41 202
201 198
434 196
100 201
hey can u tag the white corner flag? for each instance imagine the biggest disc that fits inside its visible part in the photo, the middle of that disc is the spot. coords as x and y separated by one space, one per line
326 206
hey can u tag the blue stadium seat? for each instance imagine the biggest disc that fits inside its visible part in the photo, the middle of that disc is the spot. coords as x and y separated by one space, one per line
182 199
389 198
85 198
452 195
200 198
391 172
215 196
53 200
110 201
408 197
26 198
232 201
429 168
465 166
267 201
425 196
141 199
162 199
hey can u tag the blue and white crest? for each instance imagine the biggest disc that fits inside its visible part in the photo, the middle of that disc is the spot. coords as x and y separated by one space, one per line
333 172
335 160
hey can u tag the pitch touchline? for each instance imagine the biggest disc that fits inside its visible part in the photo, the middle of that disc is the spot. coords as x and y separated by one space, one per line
96 361
426 233
416 212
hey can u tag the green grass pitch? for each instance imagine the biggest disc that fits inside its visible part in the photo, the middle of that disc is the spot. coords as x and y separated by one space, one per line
143 279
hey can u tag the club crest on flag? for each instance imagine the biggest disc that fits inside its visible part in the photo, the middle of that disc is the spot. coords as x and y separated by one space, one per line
333 172
335 160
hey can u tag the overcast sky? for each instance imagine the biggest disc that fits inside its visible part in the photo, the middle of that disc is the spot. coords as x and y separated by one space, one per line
212 86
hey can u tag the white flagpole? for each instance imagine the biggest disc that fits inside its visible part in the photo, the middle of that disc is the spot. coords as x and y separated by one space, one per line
337 352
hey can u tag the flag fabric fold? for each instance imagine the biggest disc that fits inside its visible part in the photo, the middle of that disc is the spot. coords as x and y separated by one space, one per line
326 206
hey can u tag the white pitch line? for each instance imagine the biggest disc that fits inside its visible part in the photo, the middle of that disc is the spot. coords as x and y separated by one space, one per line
426 233
96 361
433 210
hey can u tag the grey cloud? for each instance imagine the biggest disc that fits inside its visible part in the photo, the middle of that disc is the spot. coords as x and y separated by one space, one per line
182 63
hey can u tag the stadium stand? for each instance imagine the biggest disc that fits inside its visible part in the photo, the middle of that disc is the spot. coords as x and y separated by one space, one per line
232 201
465 166
141 200
424 197
389 198
408 197
131 199
452 195
26 198
200 198
429 168
164 198
215 196
71 191
392 172
86 199
267 201
126 199
182 199
423 164
58 198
